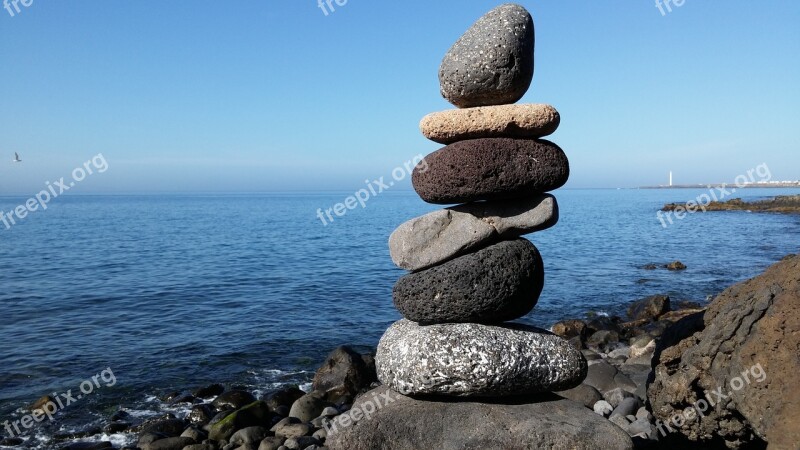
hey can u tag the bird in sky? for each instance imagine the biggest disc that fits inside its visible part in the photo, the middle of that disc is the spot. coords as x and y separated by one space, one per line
16 158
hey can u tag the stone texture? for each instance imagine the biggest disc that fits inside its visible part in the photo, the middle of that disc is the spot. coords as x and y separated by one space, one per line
472 360
492 63
650 308
344 372
499 283
522 423
490 169
441 235
526 121
749 331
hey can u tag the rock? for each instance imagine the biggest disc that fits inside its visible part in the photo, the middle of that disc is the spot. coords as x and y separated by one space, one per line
527 121
200 414
492 63
601 376
650 308
40 405
626 407
641 427
209 391
644 414
234 399
490 169
344 372
282 397
496 284
300 443
173 443
200 447
603 408
249 435
254 414
620 421
674 316
602 339
166 427
747 350
676 266
293 430
441 235
308 407
404 423
615 396
194 434
473 360
583 394
569 329
603 323
644 347
85 445
271 443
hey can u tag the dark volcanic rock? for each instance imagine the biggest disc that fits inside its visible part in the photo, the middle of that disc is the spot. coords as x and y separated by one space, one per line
540 422
747 351
650 308
492 63
490 169
473 360
234 399
499 283
282 397
344 373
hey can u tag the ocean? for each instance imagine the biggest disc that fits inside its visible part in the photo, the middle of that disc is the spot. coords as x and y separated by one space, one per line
172 292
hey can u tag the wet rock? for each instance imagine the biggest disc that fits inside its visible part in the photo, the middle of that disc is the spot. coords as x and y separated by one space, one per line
650 308
344 372
234 399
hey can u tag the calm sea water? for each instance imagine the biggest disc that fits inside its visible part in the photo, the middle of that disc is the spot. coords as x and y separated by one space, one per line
174 292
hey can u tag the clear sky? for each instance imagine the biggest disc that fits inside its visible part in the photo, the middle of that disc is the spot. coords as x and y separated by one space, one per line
275 95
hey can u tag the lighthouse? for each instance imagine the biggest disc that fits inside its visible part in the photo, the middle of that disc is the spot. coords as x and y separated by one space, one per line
670 178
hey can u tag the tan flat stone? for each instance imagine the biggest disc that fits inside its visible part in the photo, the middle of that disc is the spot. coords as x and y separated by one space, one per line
514 121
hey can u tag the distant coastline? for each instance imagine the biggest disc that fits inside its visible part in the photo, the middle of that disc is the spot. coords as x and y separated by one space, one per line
782 184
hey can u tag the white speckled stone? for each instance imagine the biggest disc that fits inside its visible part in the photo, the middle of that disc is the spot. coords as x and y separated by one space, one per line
472 360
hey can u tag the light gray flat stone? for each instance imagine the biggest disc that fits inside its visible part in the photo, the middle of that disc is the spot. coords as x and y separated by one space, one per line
444 234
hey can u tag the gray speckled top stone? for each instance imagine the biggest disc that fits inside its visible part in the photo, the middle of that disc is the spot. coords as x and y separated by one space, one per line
441 235
471 360
492 63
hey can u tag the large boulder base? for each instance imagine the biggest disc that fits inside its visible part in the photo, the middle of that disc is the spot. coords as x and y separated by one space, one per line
748 340
521 423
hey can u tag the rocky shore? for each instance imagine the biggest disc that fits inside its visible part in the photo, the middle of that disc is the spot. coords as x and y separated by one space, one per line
787 204
670 374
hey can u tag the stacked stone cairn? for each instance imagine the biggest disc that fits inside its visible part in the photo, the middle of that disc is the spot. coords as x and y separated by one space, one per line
454 355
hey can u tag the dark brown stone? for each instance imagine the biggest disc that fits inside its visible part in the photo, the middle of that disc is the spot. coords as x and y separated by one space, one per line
490 169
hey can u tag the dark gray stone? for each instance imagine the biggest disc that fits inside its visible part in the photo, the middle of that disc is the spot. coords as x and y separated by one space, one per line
492 63
650 308
490 169
529 422
496 284
473 360
584 394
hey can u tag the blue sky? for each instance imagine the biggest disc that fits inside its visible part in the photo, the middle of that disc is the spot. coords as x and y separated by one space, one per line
274 95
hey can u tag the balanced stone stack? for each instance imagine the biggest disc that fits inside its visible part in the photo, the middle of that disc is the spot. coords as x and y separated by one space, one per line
471 272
